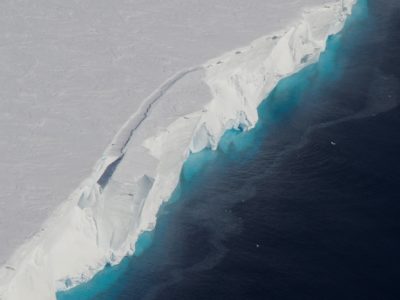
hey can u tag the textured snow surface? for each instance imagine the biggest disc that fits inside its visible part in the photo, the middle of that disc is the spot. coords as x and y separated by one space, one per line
72 72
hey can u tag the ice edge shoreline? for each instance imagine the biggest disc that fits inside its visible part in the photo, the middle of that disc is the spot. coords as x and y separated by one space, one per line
239 81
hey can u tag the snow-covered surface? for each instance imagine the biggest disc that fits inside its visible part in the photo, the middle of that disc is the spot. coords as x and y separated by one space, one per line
71 74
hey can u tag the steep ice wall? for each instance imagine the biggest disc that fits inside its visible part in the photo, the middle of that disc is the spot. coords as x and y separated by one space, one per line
103 218
239 81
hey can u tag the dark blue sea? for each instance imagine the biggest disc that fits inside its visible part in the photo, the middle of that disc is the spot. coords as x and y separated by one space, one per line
305 206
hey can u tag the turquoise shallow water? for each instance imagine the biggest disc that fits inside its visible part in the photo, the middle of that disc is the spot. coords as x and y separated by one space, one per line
137 276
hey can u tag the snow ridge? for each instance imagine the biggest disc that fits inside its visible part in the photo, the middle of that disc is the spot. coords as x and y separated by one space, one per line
124 135
101 221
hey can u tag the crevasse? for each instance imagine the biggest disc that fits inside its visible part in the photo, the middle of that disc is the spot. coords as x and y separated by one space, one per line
101 221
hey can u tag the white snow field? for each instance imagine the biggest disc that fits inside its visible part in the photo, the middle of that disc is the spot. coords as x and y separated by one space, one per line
122 86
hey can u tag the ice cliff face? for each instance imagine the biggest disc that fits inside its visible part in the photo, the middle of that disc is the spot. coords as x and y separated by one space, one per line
103 218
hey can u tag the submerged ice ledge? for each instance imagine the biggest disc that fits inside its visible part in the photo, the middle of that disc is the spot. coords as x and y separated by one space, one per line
102 219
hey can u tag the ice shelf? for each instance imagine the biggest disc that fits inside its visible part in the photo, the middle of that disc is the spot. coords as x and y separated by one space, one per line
101 220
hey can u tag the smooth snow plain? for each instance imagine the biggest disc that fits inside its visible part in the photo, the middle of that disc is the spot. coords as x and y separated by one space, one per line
73 72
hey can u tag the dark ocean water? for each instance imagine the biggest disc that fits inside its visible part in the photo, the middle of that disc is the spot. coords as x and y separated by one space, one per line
305 206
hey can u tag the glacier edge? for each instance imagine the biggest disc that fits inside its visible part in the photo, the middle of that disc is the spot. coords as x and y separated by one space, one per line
100 223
